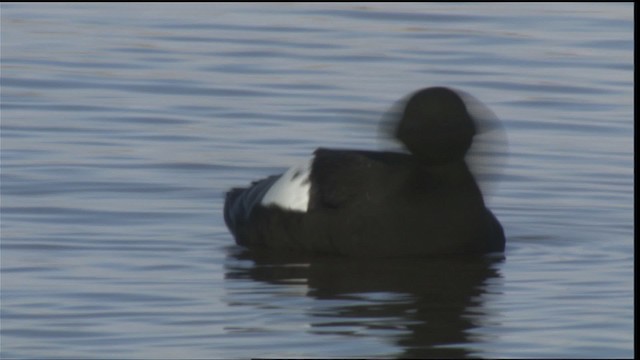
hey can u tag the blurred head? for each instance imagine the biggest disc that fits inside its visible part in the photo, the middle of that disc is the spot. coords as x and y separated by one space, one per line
435 126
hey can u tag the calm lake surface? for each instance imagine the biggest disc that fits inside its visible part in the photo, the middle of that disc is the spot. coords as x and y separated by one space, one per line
122 125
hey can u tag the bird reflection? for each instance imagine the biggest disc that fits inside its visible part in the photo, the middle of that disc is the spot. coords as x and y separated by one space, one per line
426 306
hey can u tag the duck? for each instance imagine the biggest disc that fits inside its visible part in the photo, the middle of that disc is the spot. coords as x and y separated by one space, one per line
374 204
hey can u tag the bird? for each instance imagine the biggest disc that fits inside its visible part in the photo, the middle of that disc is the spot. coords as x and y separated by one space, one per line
375 204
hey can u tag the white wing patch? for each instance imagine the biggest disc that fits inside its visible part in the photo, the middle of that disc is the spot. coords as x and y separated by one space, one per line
291 190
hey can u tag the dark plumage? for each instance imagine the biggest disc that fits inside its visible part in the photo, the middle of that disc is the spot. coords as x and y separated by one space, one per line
377 204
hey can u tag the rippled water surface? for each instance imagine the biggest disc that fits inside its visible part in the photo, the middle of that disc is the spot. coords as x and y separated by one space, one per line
124 124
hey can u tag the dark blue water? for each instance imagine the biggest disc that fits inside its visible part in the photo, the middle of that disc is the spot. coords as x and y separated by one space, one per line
122 125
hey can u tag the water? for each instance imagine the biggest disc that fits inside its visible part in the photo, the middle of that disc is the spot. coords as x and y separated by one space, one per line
124 124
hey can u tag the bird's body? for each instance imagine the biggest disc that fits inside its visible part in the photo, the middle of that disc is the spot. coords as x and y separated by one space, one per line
377 204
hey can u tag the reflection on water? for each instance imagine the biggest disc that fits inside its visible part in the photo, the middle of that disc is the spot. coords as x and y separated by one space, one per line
427 306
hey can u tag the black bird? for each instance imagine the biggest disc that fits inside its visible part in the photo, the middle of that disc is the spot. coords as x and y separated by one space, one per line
377 204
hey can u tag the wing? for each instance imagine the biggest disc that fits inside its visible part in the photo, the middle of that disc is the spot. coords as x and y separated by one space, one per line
341 178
